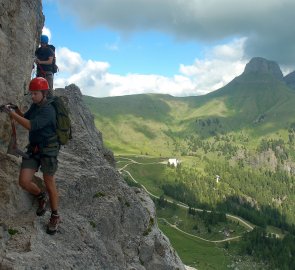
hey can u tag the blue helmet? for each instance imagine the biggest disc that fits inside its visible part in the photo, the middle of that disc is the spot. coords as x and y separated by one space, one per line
44 39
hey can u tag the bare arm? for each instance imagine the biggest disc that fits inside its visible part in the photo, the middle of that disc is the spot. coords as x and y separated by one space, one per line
18 111
20 119
47 62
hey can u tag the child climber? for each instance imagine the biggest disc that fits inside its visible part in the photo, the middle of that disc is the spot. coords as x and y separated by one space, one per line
43 149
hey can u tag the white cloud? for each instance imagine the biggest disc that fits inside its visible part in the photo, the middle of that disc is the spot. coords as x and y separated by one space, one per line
88 75
137 84
46 31
68 61
221 65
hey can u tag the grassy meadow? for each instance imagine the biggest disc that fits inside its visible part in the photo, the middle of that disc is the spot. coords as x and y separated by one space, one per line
195 252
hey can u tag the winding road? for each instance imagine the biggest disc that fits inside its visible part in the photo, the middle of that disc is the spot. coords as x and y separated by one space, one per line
241 221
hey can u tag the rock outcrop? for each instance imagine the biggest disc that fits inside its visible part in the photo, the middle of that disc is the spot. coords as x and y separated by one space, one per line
21 23
263 66
290 79
105 223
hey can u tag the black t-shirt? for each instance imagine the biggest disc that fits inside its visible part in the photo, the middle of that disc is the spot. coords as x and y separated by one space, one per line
43 54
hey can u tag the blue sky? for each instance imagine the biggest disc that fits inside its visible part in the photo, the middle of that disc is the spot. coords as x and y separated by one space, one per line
177 47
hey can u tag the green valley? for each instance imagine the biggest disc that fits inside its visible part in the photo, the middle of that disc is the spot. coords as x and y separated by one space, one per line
236 153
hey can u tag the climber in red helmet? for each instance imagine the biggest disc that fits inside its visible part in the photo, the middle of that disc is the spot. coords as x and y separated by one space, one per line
42 151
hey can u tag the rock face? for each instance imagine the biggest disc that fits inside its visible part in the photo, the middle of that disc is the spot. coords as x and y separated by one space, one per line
17 42
105 223
261 65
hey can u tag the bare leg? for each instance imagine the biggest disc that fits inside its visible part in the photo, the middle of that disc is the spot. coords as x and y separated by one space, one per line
52 191
25 181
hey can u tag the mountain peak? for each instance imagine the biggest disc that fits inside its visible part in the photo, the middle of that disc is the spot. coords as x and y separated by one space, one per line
261 65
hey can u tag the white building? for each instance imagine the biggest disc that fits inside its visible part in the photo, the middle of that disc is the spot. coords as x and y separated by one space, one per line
217 178
173 161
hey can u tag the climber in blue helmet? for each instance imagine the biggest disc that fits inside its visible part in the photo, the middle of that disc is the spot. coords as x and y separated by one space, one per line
44 39
44 59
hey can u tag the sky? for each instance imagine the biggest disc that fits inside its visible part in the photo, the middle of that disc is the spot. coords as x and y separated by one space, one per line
176 47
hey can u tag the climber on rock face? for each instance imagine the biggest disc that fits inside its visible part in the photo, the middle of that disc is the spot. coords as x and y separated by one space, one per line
44 59
43 148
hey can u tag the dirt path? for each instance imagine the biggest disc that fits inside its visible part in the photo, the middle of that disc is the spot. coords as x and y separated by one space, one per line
241 221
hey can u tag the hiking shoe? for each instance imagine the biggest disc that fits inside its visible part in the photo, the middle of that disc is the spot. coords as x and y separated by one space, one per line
53 224
42 201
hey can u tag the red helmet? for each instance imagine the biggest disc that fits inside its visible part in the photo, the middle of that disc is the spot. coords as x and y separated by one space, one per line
38 84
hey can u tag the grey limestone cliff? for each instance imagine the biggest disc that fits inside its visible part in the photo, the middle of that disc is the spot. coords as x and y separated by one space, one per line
105 223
